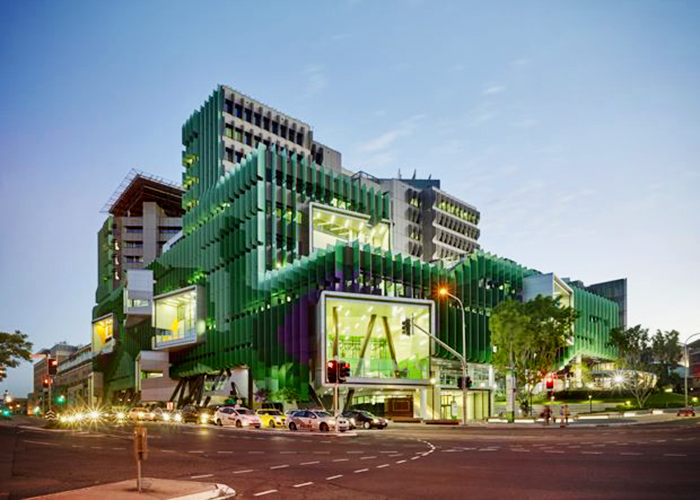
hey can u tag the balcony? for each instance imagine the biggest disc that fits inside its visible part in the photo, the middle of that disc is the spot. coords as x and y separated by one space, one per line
178 319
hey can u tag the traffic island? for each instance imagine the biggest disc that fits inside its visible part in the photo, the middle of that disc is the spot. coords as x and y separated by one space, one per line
152 489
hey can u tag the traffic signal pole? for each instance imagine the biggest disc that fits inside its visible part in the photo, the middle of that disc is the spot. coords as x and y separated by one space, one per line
462 360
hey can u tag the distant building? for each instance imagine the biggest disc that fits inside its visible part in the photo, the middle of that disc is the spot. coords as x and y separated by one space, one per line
615 290
74 378
60 352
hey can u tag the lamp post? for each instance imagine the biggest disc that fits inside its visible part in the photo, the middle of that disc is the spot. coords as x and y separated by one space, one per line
445 293
590 403
687 365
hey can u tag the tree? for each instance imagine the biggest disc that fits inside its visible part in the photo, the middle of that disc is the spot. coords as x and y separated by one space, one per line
667 352
635 358
528 338
288 395
14 348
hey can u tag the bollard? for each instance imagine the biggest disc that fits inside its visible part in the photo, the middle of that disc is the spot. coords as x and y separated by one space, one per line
140 451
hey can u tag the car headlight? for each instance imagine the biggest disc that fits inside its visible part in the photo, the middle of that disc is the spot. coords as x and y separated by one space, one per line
353 421
375 421
141 414
94 415
204 418
178 417
166 417
121 416
153 415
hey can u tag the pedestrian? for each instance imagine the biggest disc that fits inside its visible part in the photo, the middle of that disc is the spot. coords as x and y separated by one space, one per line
566 414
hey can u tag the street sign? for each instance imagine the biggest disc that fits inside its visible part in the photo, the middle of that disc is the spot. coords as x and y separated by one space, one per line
170 405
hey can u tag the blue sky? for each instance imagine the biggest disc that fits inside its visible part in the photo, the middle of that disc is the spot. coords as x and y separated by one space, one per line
573 127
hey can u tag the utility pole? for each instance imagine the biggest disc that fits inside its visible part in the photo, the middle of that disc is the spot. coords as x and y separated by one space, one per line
443 291
461 358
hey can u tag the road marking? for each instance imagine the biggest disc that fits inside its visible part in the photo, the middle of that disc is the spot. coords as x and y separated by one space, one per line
396 455
553 451
119 448
201 476
360 470
287 452
572 447
310 463
401 462
256 452
96 447
368 458
77 446
660 440
262 493
195 451
675 455
520 450
630 453
301 485
355 452
168 451
415 458
592 452
242 471
388 452
225 451
382 466
40 442
333 477
488 449
341 460
279 466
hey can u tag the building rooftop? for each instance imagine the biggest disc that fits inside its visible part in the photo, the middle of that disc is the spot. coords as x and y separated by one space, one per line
139 187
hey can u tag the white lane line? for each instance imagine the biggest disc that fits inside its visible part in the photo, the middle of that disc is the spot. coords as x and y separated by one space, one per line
488 449
632 454
168 451
256 452
591 452
329 478
40 442
675 455
553 451
401 462
225 451
368 458
388 452
396 455
96 447
311 463
415 458
242 471
341 460
520 451
279 466
360 470
77 446
301 485
355 451
382 466
201 476
287 452
263 493
117 448
322 452
195 451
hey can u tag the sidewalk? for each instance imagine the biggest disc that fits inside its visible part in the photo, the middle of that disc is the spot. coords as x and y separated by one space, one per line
153 489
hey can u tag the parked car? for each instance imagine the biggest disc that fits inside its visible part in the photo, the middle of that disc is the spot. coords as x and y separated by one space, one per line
686 412
197 414
240 417
316 420
141 413
364 419
163 415
272 417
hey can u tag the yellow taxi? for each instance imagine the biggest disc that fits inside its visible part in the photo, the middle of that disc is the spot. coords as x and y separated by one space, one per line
271 417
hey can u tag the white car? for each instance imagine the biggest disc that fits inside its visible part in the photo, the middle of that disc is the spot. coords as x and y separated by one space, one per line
315 420
240 417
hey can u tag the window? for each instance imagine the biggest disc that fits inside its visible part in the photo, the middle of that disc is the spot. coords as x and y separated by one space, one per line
134 229
238 135
229 154
257 140
229 106
239 156
248 115
134 244
300 138
275 127
248 139
256 119
283 131
229 131
134 259
169 230
238 111
266 123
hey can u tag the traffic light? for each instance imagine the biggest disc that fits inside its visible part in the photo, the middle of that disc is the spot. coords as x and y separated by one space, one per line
61 399
53 366
46 382
344 372
464 383
332 371
549 381
407 327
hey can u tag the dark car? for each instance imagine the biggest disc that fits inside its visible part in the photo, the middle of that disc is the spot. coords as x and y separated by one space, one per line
686 412
198 414
364 419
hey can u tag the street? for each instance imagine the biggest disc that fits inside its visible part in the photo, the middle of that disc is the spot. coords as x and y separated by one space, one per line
404 461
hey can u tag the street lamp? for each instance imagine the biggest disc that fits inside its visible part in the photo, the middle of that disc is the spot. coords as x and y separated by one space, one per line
687 365
444 292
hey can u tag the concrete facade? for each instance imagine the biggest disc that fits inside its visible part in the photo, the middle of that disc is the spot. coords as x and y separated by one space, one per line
73 377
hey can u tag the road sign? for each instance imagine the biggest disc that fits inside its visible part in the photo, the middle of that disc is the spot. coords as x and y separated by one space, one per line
170 405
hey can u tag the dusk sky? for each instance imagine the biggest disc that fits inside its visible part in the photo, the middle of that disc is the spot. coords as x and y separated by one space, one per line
573 127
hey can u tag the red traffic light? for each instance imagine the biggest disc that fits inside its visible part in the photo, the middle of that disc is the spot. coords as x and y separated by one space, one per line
46 382
332 372
549 381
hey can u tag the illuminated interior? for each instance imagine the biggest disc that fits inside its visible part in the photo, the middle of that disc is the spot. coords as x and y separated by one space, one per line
370 337
176 319
103 334
330 225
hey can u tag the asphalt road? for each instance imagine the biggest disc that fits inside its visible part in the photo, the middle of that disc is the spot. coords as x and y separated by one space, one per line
642 461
